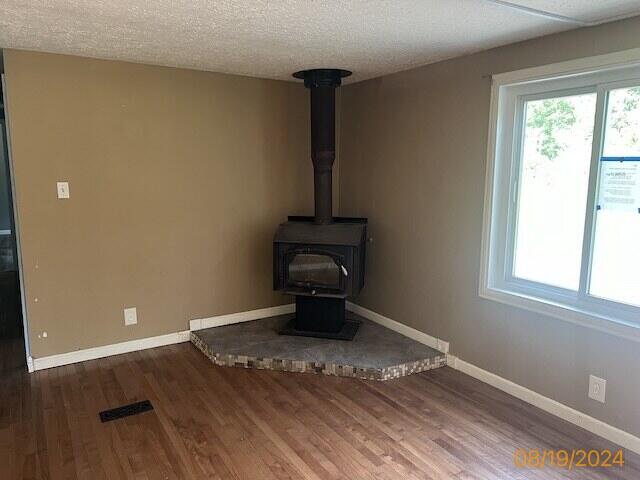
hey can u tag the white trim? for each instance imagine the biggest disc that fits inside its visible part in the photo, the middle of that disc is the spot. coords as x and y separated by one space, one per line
16 224
30 366
231 318
412 333
489 187
593 425
5 232
42 363
109 350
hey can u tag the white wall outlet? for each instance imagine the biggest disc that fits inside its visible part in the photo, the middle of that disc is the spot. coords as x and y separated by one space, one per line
597 388
130 316
63 190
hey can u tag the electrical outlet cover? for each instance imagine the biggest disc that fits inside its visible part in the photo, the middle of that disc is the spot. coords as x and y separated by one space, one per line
130 316
597 388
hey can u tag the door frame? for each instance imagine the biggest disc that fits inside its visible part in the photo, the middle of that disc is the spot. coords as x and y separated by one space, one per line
15 222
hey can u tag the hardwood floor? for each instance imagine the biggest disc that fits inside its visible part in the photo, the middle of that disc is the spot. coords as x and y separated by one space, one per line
12 358
228 423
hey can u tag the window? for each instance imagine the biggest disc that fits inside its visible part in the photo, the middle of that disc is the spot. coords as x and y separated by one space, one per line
562 212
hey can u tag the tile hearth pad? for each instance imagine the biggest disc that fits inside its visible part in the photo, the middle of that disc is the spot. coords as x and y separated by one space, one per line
376 353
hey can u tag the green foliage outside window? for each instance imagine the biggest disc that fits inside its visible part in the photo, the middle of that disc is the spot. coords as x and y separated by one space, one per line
623 120
550 116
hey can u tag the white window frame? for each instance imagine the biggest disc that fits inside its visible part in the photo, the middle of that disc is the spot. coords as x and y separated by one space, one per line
508 94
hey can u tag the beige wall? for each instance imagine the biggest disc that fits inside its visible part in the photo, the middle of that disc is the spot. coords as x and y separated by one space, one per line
178 179
413 160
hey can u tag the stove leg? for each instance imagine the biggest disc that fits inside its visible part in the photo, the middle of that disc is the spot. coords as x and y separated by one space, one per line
319 314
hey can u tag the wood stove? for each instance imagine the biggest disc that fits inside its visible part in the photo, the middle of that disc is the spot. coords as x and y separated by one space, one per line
320 259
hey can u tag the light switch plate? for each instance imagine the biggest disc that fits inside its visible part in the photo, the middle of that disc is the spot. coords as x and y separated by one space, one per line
597 388
130 316
63 190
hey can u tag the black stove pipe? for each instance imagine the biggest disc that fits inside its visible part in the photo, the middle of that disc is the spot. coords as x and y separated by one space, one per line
322 83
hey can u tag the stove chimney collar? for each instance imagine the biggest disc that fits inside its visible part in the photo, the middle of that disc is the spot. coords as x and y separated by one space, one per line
322 77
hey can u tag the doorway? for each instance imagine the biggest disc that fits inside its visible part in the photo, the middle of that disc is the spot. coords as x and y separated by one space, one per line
12 331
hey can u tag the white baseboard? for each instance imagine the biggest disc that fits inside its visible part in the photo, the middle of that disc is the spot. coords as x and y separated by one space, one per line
51 361
221 320
412 333
30 367
109 350
593 425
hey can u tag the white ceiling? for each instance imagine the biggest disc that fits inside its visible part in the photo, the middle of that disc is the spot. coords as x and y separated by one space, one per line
273 38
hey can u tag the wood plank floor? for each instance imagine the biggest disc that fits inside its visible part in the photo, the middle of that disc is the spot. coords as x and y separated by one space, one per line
228 423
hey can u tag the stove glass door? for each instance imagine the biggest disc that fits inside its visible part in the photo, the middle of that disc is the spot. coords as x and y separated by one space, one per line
314 270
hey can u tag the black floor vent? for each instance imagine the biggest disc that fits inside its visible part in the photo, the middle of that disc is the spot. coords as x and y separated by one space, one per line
126 411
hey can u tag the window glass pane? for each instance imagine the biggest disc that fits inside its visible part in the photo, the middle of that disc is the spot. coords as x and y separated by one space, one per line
615 273
554 177
622 130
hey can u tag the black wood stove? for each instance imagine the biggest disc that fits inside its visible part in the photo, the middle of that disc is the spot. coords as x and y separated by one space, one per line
321 259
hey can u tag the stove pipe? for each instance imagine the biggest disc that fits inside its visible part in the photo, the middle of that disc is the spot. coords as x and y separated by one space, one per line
322 83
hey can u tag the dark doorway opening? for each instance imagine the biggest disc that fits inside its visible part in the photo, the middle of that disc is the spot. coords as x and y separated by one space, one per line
12 345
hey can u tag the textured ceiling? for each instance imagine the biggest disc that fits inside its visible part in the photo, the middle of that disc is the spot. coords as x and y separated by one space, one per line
273 38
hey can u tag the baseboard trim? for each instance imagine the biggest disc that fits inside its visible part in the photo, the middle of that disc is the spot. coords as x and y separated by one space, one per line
109 350
34 364
412 333
221 320
30 367
571 415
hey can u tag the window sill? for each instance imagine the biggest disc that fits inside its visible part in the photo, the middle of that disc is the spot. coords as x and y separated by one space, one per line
563 312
